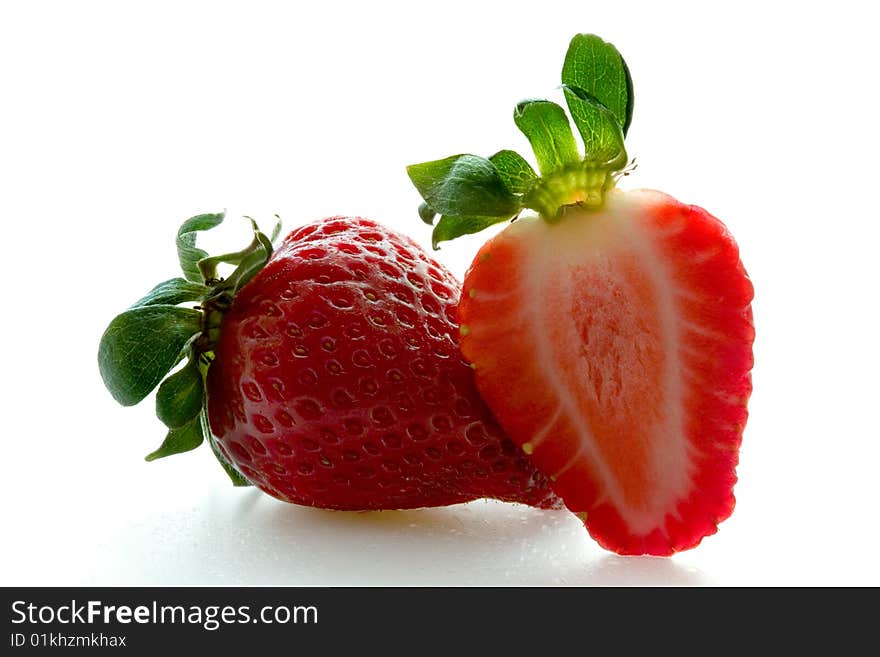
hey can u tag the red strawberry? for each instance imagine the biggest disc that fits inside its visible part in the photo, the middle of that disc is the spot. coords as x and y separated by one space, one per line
615 347
329 370
612 332
338 382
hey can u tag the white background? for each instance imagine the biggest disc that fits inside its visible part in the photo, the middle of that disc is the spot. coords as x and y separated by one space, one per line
119 120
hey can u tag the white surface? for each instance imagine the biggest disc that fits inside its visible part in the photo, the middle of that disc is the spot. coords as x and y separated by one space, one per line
118 121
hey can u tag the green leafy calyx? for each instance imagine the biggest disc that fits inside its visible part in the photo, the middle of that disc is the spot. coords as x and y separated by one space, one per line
142 347
470 193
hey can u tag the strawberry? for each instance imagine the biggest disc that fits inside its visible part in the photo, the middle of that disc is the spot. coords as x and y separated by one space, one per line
617 354
610 331
338 382
325 372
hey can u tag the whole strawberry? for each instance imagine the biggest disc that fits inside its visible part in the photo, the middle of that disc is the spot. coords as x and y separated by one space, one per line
611 332
325 372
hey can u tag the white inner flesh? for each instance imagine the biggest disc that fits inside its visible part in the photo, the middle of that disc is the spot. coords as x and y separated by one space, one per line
576 242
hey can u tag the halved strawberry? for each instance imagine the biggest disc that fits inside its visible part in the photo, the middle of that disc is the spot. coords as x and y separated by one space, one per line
611 333
615 347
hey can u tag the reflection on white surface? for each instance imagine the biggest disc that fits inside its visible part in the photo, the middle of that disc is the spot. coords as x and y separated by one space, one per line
256 540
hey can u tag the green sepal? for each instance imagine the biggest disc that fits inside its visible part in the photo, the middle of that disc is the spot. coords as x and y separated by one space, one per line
463 185
276 230
516 174
187 252
598 90
427 214
599 128
180 396
248 262
546 126
234 475
140 347
448 228
179 440
252 261
172 292
599 69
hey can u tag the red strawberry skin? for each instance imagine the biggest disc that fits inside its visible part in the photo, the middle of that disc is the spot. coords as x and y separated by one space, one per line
338 382
615 347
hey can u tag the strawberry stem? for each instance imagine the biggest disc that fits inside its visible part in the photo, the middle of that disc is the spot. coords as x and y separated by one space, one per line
583 185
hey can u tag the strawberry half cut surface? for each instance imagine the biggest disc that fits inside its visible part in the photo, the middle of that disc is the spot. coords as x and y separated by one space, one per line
615 349
611 332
